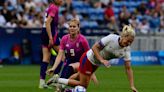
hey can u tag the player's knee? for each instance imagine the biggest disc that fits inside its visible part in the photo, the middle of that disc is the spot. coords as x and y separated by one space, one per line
67 72
46 58
84 84
75 66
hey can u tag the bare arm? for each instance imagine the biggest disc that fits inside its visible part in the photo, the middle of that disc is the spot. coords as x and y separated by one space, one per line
129 73
48 26
57 62
58 59
48 29
96 49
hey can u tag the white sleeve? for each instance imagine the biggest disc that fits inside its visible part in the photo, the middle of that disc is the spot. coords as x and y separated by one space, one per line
127 54
105 40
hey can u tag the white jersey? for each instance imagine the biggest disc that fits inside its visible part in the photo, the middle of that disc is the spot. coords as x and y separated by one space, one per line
111 50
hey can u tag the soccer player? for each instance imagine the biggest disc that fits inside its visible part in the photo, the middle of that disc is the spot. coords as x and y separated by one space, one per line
109 47
73 45
49 37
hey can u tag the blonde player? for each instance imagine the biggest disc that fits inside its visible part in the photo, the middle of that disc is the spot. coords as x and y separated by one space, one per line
73 45
109 47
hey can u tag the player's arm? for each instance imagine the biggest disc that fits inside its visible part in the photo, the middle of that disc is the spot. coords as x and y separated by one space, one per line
57 62
97 47
129 73
48 27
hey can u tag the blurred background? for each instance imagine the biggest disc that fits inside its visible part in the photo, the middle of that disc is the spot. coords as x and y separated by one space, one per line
21 22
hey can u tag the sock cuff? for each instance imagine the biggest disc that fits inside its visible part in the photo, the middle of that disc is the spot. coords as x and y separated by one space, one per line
63 81
43 62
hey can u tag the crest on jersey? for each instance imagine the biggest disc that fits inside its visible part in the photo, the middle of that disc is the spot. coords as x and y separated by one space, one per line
67 45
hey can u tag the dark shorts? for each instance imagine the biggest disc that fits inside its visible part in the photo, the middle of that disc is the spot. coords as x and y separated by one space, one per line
86 67
45 38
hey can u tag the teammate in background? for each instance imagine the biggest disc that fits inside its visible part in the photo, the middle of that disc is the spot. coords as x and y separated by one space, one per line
49 37
109 47
73 45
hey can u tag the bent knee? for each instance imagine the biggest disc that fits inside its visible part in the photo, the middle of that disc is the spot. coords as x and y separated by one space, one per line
75 66
84 84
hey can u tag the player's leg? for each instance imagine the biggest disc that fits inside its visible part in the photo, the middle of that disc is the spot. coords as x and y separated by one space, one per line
75 76
75 66
84 80
44 65
69 70
94 79
45 59
86 70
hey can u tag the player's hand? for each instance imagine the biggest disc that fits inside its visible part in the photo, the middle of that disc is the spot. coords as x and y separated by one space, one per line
50 71
106 63
134 89
51 42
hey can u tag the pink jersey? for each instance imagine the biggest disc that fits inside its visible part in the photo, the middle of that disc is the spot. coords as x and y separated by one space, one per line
52 11
74 48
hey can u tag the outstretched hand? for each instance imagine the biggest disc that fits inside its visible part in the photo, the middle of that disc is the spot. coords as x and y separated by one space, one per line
50 71
106 63
51 42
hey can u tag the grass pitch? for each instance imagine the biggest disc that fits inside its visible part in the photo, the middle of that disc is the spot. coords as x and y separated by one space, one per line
22 78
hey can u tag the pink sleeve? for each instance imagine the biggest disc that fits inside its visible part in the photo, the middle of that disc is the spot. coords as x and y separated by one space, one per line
62 44
85 44
52 11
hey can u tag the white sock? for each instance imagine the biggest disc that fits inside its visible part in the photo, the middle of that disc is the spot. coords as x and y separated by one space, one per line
63 81
42 81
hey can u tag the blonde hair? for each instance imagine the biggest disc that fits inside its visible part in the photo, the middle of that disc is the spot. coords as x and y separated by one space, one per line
74 21
128 30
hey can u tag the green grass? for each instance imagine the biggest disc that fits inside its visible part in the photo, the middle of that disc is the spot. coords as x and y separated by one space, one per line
26 79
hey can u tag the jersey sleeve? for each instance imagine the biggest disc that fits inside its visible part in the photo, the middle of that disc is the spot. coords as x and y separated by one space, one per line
52 11
85 44
127 54
62 43
105 40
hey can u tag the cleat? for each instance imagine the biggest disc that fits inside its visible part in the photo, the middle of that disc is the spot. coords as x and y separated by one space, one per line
53 79
43 85
59 88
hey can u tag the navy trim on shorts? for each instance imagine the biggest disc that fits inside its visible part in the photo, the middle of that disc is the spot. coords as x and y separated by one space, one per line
84 60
